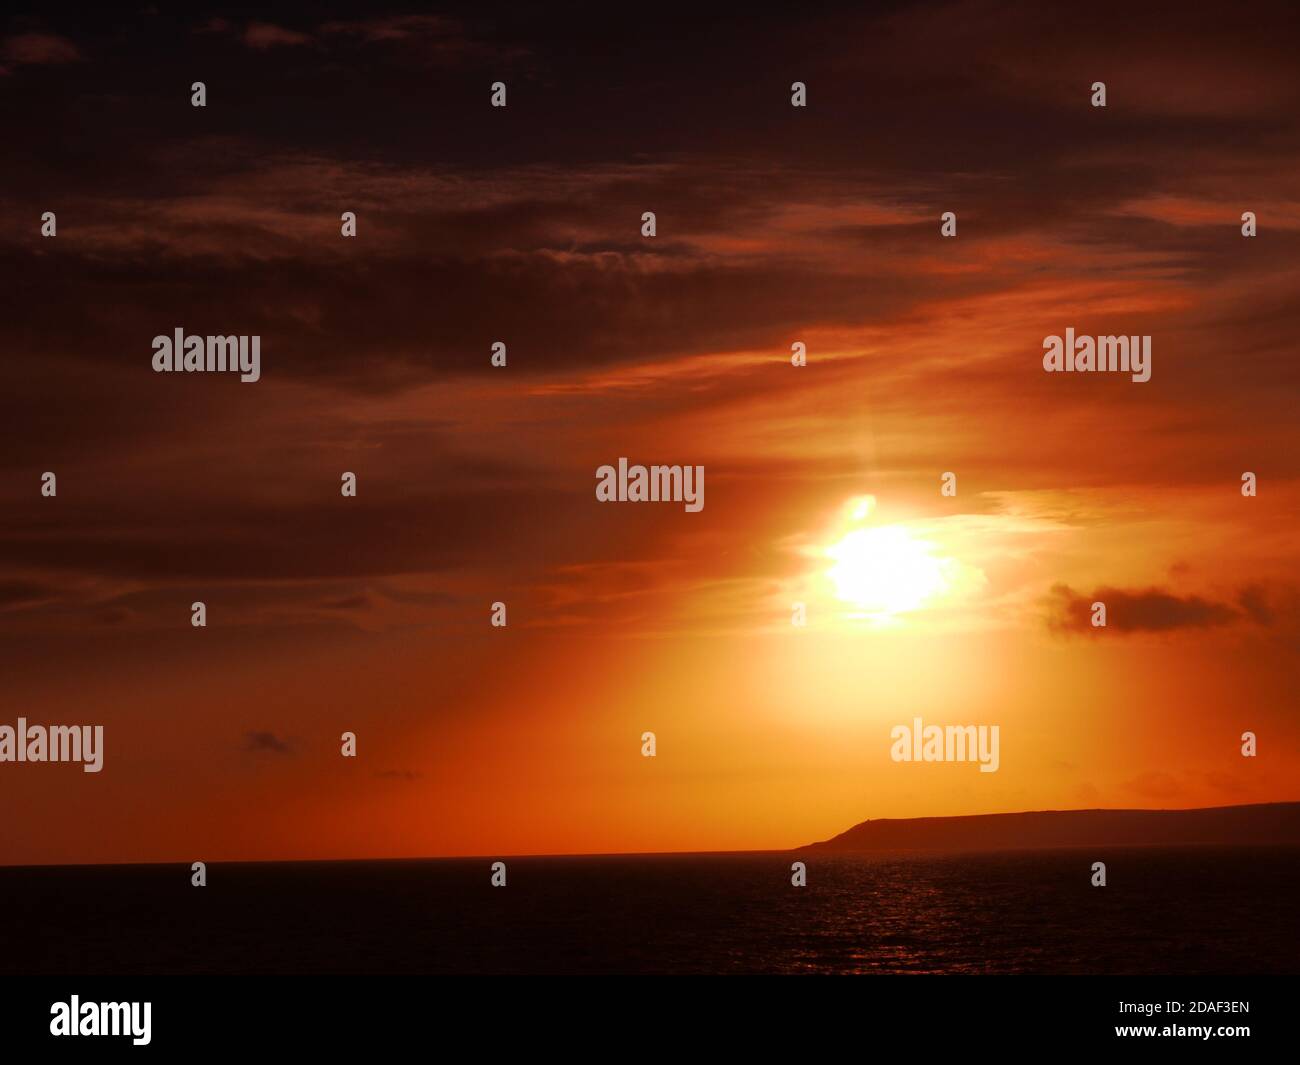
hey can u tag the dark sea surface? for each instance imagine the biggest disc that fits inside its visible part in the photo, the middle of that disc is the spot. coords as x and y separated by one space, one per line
1164 910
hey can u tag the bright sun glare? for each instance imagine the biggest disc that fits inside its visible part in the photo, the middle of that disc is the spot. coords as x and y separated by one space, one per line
884 570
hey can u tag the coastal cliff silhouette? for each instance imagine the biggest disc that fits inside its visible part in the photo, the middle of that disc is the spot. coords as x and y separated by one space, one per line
1260 824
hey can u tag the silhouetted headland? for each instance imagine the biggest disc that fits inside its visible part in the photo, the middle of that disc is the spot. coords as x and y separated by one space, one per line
1258 824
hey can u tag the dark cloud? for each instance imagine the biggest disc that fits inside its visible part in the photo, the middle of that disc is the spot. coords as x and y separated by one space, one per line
227 540
1271 606
1148 610
18 593
1258 604
521 225
266 742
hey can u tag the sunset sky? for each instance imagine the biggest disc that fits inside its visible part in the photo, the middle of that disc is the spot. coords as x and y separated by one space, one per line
775 225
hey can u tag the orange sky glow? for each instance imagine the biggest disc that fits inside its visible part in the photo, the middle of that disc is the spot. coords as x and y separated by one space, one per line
371 614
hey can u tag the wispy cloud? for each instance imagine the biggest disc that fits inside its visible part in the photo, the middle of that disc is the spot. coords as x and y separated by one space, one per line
264 35
37 49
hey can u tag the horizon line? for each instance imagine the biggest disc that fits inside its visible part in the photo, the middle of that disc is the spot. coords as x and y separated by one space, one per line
652 854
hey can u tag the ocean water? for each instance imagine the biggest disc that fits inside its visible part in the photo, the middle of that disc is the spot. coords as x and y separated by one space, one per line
1164 910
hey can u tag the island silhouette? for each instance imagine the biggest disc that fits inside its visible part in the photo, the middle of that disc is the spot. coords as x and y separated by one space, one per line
1263 824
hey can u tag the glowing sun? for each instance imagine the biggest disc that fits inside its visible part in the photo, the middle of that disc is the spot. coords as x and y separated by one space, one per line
885 570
